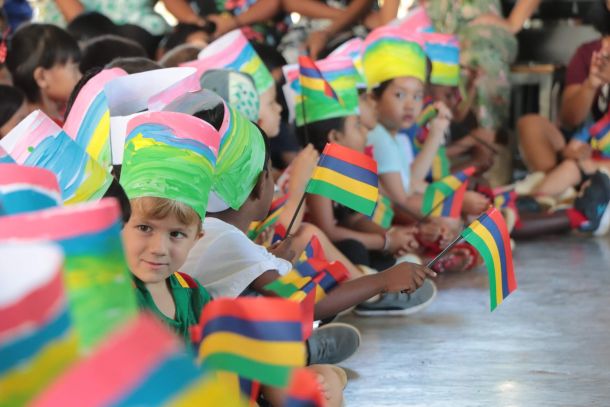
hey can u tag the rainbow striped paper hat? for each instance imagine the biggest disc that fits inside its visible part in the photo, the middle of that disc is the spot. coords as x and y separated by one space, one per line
444 52
170 155
389 54
241 155
27 189
37 141
233 51
352 49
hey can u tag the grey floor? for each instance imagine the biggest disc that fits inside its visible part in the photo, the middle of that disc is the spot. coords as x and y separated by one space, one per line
548 344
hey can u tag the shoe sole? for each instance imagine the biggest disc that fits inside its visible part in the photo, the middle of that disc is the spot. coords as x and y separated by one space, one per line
398 312
604 223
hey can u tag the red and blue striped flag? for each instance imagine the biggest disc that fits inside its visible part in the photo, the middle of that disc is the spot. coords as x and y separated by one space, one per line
312 80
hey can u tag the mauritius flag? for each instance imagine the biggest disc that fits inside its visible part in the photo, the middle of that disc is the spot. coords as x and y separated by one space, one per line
256 338
384 214
445 197
312 80
600 136
347 177
489 235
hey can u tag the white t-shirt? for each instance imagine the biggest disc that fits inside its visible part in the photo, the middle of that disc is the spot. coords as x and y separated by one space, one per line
225 261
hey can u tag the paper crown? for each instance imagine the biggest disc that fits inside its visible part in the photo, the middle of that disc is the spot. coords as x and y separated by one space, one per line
389 54
37 141
241 156
233 51
5 158
170 155
236 88
88 122
416 21
324 90
27 189
444 52
352 49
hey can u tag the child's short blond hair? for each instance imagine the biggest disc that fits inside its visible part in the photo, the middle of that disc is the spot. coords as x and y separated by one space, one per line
160 208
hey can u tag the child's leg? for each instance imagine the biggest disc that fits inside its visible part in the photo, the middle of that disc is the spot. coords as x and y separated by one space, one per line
565 175
539 141
304 235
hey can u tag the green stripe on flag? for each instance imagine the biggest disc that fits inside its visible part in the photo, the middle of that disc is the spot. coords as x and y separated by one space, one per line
341 196
273 375
471 237
284 290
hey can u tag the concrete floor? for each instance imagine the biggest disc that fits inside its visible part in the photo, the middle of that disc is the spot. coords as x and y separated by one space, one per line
548 344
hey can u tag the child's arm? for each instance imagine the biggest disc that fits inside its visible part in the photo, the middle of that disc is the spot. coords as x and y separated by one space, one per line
423 161
401 277
70 8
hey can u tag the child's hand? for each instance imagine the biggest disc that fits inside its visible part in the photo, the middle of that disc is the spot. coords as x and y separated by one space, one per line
302 169
283 249
429 232
400 240
576 150
406 277
440 124
410 243
475 203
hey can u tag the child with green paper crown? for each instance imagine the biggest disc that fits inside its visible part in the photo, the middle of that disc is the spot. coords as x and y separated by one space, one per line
321 119
395 70
168 170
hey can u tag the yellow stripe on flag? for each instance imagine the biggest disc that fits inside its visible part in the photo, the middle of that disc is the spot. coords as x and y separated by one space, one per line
491 244
312 83
269 352
348 184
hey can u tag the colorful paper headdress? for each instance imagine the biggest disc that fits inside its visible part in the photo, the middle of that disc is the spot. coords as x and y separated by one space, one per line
170 155
5 158
241 156
416 21
389 54
444 52
88 122
236 88
352 49
322 90
233 51
36 336
37 141
27 189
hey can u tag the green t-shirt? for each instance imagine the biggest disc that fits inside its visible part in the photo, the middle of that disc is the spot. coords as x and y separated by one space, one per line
189 296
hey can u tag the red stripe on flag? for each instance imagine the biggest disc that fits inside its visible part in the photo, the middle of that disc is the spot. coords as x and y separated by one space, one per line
307 62
252 310
353 157
498 219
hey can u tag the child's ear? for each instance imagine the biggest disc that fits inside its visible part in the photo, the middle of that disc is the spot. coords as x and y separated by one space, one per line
334 136
40 77
200 235
257 191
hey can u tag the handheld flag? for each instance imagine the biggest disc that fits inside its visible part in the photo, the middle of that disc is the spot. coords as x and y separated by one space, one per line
489 235
600 136
257 338
312 79
304 390
383 214
347 177
445 197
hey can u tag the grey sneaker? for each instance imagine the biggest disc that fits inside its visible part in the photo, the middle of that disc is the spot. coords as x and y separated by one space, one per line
400 303
332 343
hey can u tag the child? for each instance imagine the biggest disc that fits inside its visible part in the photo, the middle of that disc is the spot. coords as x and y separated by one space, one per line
395 71
165 221
13 108
43 61
100 51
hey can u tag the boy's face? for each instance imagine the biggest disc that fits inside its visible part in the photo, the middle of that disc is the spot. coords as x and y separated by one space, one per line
270 113
353 135
401 103
156 248
368 110
59 81
446 94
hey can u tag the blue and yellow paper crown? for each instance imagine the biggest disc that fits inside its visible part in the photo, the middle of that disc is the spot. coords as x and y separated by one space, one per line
444 52
390 54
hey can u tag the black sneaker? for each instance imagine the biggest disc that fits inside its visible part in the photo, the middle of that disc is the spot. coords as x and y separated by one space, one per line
332 343
594 204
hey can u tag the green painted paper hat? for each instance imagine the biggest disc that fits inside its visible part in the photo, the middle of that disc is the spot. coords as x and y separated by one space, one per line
326 90
170 155
242 151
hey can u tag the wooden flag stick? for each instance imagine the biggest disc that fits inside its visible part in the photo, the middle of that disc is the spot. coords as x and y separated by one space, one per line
296 213
431 211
